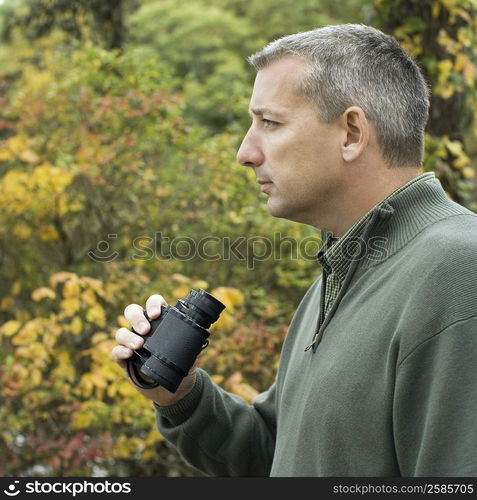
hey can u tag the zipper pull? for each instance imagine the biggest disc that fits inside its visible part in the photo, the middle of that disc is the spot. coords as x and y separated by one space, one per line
307 348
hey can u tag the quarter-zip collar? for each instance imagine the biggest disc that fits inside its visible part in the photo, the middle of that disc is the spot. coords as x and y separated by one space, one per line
336 254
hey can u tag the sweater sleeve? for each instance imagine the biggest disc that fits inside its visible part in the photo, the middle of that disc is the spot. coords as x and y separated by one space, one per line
219 433
435 405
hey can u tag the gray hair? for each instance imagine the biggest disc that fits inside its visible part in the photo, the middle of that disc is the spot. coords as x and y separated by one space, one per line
357 65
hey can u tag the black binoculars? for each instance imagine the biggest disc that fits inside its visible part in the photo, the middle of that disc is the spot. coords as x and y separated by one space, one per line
175 340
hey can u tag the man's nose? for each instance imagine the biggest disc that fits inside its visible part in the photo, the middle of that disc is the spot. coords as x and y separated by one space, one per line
249 153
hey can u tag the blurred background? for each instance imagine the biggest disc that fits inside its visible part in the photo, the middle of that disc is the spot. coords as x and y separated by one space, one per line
119 125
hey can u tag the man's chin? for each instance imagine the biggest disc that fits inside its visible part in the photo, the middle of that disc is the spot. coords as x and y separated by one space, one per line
278 210
285 212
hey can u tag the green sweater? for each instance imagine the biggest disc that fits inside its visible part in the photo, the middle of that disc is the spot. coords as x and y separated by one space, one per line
390 385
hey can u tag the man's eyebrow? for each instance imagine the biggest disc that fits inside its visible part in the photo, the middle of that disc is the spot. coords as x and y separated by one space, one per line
263 111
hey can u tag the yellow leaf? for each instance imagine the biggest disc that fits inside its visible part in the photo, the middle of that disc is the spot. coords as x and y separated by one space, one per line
35 376
445 91
464 15
148 454
16 144
229 296
43 293
153 436
126 389
459 62
461 161
48 233
455 147
217 379
89 297
37 352
23 352
468 172
122 449
94 283
245 391
180 278
21 231
29 156
29 332
4 155
200 284
10 327
71 288
111 392
224 323
76 326
235 385
123 322
445 67
82 420
51 178
61 277
469 72
16 288
448 4
99 337
96 315
464 38
98 380
161 191
6 303
65 369
85 387
70 306
20 372
180 292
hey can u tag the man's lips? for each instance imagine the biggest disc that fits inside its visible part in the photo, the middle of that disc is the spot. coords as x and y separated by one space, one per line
265 185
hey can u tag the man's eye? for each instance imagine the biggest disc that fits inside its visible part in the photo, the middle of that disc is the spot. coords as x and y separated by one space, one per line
269 123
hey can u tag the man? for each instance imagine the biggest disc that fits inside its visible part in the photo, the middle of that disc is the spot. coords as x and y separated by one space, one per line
377 374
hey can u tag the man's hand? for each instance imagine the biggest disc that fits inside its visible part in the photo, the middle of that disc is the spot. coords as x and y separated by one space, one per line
129 342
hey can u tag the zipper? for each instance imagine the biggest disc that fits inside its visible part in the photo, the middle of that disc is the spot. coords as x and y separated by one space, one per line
322 312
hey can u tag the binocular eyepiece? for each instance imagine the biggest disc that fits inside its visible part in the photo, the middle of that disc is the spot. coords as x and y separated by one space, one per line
175 340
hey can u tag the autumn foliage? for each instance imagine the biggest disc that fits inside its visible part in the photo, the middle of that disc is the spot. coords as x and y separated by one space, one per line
94 145
115 165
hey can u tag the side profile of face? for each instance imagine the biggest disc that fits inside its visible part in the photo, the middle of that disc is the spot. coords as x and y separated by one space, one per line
297 158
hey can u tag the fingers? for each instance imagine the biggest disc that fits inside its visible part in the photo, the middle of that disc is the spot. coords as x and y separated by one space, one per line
129 339
120 354
153 305
135 315
128 342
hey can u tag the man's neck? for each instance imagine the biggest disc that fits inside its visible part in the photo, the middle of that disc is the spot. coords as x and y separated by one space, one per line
362 196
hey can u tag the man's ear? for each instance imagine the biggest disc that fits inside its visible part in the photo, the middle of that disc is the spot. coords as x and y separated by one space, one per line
357 130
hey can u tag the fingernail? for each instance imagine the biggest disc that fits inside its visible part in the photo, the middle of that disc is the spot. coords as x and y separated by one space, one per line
154 311
143 326
135 344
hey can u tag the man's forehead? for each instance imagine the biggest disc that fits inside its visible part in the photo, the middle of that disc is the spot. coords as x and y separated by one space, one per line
277 84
